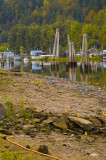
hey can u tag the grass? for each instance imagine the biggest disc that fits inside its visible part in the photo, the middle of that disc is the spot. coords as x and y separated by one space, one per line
11 155
24 113
97 58
10 111
9 151
3 72
45 59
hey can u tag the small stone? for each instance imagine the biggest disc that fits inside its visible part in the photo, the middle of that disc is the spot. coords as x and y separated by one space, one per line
65 133
4 137
72 135
6 146
28 146
36 120
18 126
93 154
5 131
43 149
27 128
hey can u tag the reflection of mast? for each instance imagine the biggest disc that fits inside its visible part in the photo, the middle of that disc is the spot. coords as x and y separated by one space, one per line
72 73
82 77
86 77
22 68
51 73
58 74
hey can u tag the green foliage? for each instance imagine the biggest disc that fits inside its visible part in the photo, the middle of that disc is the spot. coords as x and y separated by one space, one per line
21 50
32 24
24 113
2 48
10 111
11 155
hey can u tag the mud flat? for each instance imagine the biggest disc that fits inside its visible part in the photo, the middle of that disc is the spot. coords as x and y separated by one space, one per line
68 117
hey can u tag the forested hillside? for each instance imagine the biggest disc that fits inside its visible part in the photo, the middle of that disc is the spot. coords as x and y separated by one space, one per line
31 24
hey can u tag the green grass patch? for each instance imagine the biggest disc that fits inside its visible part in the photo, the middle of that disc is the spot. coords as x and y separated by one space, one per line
26 114
97 58
78 59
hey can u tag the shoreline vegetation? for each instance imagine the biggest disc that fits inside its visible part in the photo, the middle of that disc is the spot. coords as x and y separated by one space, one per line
51 111
78 59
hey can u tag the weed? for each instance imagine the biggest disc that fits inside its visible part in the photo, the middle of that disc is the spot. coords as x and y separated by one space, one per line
26 114
11 155
10 112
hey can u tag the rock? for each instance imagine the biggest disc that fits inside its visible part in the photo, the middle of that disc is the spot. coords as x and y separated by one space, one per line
17 115
6 146
28 146
94 154
43 149
7 125
59 115
2 112
60 123
21 121
90 139
46 128
49 120
72 135
27 128
96 122
18 126
36 120
84 124
5 131
103 120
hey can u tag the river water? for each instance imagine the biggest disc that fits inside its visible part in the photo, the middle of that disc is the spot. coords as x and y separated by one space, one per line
96 74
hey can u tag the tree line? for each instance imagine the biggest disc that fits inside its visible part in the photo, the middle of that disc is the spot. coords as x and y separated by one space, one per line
31 24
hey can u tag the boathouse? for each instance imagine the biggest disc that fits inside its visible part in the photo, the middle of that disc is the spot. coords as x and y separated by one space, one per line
36 54
6 55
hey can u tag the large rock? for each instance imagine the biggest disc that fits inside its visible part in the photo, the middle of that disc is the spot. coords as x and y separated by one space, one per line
96 122
2 112
60 123
84 124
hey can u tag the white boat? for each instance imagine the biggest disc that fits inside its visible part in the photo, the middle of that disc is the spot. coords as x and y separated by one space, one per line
26 59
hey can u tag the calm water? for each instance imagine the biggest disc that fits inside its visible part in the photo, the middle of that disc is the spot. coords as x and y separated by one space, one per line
97 73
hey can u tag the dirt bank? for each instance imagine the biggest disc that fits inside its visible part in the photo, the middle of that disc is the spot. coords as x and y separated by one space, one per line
48 98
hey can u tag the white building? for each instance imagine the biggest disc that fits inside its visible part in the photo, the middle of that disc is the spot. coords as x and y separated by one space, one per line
6 55
36 54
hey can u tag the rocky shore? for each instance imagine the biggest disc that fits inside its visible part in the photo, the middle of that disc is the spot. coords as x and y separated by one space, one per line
68 117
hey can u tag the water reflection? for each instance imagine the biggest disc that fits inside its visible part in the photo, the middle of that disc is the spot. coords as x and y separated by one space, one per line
96 72
72 73
36 66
